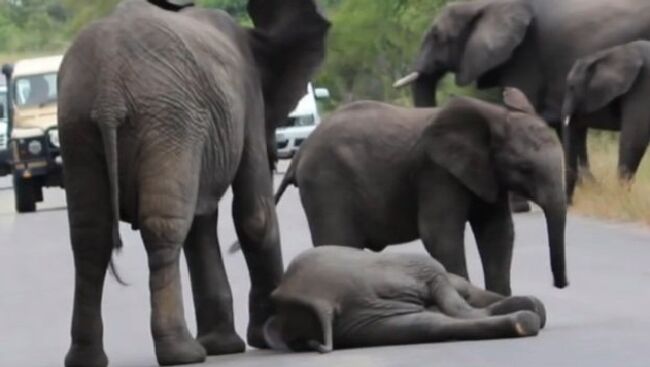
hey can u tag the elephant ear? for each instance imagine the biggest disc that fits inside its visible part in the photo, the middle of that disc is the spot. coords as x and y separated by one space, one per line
516 100
497 31
288 42
303 313
459 140
610 75
172 5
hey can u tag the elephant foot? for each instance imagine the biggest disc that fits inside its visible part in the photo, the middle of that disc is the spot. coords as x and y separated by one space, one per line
217 343
86 356
520 303
179 350
255 336
526 323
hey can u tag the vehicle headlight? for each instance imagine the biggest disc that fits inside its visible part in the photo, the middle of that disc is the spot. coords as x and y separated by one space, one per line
53 135
35 147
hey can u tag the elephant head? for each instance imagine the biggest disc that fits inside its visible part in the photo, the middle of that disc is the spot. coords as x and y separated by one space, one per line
469 38
597 80
492 149
288 45
288 42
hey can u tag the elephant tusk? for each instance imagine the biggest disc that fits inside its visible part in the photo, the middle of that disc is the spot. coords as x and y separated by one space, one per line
407 80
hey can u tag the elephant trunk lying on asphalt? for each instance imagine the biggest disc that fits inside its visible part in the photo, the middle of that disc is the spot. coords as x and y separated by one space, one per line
373 174
159 113
338 297
612 88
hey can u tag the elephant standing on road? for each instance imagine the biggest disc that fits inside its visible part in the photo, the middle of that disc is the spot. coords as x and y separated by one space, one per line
337 297
160 111
527 44
610 90
374 174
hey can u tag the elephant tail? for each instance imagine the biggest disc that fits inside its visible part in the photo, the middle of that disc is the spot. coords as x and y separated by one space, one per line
288 179
108 124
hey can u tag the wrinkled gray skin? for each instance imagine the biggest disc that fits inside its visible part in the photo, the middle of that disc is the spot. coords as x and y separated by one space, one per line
365 299
374 174
527 44
609 90
160 111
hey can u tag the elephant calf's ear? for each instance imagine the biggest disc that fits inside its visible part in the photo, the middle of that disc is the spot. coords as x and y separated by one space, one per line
516 100
459 140
611 75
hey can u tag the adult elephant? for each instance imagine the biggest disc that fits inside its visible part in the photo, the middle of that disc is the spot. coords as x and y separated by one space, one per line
527 44
611 88
160 111
374 174
363 299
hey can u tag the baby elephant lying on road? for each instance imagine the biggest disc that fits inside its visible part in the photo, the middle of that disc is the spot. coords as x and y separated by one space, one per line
340 297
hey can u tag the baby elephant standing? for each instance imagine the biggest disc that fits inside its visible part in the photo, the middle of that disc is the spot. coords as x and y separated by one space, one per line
374 174
340 297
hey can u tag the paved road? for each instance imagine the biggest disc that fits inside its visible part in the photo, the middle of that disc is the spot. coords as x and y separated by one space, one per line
602 319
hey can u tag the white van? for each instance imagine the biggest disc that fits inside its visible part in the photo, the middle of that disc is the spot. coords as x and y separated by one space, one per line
291 132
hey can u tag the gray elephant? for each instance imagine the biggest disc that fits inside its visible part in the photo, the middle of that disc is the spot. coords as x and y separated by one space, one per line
374 174
527 44
609 90
160 111
364 299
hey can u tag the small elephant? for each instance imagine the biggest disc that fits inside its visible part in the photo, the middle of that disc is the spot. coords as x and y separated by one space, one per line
374 174
609 90
162 107
338 297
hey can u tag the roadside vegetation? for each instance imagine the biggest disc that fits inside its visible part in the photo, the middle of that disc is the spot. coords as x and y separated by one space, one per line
605 196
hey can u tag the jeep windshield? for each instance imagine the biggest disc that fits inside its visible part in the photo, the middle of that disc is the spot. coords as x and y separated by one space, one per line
35 90
297 121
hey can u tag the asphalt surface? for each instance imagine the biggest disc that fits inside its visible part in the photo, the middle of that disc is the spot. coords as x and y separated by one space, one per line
602 319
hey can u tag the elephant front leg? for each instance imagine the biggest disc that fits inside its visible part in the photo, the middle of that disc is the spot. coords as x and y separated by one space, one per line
635 133
442 215
212 294
257 229
494 233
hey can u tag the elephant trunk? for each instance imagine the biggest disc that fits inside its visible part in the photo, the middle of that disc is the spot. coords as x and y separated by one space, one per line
570 174
424 89
555 211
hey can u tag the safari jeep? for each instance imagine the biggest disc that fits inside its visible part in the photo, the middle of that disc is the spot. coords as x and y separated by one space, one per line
34 139
5 166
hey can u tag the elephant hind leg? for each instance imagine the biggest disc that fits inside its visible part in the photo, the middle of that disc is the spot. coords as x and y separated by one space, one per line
494 303
429 327
212 294
91 233
167 196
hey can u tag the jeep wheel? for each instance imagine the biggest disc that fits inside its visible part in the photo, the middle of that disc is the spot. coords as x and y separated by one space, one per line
25 195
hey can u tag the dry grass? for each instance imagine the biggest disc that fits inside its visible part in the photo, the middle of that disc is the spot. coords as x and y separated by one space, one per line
606 197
